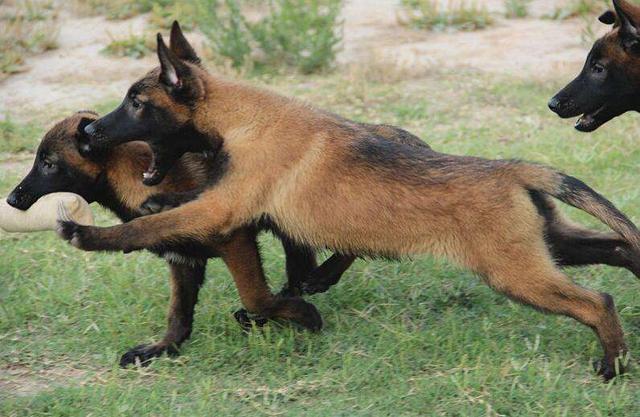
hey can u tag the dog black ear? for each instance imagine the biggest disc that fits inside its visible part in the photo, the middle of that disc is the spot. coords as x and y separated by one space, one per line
176 74
82 139
608 17
629 30
84 122
180 46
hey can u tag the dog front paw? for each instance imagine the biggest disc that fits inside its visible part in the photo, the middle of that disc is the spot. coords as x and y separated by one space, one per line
155 204
630 258
142 355
247 320
307 315
91 238
77 235
163 202
607 369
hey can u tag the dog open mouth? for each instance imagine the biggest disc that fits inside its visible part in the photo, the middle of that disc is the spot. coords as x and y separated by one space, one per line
150 176
165 155
589 122
592 120
162 159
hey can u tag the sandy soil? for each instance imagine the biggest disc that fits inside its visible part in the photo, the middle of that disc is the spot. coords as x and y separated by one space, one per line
21 381
76 75
531 47
18 164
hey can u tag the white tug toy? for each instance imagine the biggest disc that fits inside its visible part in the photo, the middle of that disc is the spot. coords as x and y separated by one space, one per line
45 213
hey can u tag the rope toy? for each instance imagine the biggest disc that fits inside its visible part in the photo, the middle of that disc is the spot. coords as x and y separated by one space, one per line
45 213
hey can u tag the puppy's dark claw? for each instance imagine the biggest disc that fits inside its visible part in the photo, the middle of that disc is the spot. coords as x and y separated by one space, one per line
72 233
606 370
142 355
247 320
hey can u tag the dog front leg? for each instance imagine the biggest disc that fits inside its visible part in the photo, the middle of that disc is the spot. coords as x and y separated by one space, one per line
194 222
242 257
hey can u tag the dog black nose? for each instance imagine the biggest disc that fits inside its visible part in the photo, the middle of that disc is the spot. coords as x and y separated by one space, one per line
554 104
12 200
90 129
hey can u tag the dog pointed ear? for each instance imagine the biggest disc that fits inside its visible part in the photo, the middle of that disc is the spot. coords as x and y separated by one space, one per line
629 19
176 74
180 46
172 70
608 17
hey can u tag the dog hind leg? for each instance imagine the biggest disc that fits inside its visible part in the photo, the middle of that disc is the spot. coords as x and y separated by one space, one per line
327 274
186 281
535 281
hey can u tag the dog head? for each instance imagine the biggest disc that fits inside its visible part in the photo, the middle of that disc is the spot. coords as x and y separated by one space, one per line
609 83
158 108
64 162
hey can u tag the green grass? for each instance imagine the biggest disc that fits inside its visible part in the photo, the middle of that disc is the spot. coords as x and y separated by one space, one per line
133 46
417 337
580 8
515 9
18 137
456 14
118 9
301 35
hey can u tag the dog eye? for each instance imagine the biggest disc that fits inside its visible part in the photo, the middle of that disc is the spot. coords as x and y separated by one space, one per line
597 68
136 103
48 167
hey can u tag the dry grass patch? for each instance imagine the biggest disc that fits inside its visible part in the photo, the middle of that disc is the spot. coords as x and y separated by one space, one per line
28 27
439 15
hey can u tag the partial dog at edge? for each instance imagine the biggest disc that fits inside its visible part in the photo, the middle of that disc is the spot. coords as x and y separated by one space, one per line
609 83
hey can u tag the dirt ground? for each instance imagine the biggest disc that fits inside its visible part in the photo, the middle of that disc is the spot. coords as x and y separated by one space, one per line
511 46
77 75
22 381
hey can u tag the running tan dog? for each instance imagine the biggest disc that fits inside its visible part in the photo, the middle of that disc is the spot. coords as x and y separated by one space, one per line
328 182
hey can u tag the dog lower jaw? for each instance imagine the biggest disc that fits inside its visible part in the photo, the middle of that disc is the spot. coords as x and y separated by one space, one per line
585 125
589 122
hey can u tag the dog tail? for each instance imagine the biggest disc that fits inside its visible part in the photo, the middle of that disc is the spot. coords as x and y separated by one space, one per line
576 193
